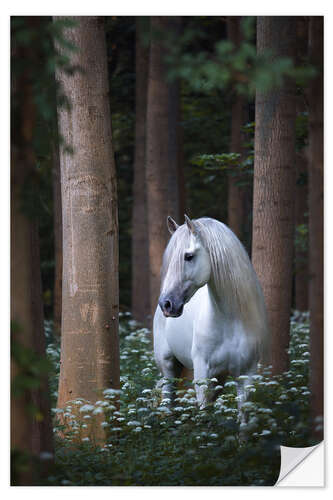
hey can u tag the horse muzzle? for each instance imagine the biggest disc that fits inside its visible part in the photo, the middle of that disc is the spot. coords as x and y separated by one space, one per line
170 308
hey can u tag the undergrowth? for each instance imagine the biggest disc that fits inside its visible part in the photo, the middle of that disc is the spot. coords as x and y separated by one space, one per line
149 444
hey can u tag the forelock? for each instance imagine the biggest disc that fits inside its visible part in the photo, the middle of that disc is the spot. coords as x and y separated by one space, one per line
174 252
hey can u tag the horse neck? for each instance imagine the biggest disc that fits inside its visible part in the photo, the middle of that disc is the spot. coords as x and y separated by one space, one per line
215 297
220 302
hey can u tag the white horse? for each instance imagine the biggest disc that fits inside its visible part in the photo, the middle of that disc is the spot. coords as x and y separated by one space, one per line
211 316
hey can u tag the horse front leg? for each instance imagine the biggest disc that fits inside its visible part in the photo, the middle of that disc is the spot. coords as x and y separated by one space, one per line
171 368
203 387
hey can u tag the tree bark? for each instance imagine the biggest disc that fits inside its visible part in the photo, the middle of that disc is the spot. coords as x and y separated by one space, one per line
236 212
57 221
42 432
90 303
274 188
31 432
316 223
140 252
301 194
301 254
162 153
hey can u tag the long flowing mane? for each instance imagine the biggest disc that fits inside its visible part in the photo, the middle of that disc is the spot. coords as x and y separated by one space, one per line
233 276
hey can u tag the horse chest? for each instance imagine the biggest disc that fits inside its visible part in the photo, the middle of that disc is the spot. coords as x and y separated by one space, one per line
224 347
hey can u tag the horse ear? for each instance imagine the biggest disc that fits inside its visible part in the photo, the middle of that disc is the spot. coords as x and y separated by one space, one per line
190 224
172 225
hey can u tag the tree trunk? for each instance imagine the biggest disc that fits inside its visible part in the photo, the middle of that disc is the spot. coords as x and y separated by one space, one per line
316 195
57 221
274 188
162 153
89 341
42 433
181 165
301 194
301 253
31 432
140 255
236 212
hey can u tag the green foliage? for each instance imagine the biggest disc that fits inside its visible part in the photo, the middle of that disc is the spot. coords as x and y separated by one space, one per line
211 171
221 161
229 162
149 444
31 366
20 463
31 369
226 65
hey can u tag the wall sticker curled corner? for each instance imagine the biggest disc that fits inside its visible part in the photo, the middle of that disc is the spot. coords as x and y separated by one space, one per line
302 466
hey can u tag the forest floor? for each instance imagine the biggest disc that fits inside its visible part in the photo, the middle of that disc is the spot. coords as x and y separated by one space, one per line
147 444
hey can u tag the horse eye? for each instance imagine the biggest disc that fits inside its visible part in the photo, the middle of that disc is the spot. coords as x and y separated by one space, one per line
188 256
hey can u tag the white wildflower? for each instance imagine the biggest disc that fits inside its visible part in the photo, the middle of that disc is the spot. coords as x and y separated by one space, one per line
142 410
265 432
86 408
110 391
165 401
97 411
231 383
146 391
133 423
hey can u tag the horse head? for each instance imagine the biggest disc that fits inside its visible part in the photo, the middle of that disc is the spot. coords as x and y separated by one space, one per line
186 267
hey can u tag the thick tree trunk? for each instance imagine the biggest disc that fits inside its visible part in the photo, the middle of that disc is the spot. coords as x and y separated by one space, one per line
57 221
162 153
23 323
316 223
31 433
236 212
140 252
274 188
89 341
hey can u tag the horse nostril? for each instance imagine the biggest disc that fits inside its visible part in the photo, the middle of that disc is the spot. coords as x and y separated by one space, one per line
167 305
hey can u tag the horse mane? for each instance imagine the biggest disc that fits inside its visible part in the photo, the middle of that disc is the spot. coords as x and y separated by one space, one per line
233 276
